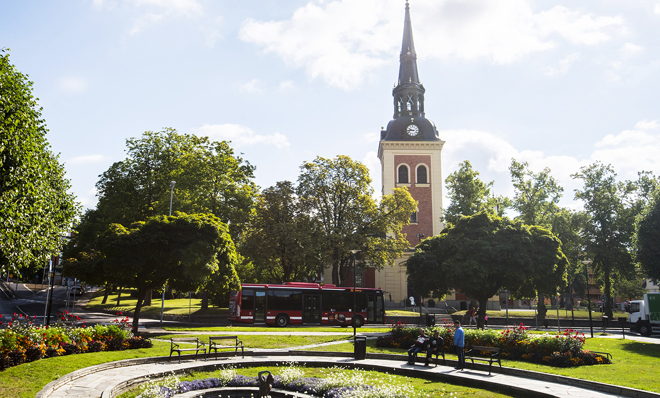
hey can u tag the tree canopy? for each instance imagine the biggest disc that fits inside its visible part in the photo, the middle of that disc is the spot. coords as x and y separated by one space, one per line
209 178
182 250
337 193
469 195
484 253
283 240
646 240
612 208
36 208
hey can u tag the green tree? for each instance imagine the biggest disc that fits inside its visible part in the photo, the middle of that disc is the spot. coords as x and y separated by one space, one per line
536 194
567 225
469 195
209 178
283 241
647 236
338 193
182 250
632 288
612 208
536 198
35 207
484 253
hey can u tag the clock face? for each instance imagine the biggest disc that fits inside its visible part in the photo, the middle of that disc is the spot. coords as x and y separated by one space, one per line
412 130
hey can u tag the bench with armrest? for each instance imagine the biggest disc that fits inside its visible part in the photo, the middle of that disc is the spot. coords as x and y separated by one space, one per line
492 354
221 342
439 351
175 346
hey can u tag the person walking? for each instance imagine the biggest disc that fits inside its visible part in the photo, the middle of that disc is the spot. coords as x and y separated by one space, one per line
473 316
459 343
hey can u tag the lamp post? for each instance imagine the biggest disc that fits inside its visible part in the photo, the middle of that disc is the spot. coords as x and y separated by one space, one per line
162 302
354 252
586 274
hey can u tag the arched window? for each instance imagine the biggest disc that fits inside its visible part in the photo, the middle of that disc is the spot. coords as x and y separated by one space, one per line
403 174
413 218
422 177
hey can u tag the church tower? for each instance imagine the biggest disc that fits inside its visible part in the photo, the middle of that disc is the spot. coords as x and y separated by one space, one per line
410 153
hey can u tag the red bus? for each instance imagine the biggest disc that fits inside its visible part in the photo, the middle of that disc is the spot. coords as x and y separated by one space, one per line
304 303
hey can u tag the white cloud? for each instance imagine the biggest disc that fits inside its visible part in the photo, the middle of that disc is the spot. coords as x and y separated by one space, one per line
86 159
287 85
241 135
73 84
253 86
151 12
629 152
563 66
631 48
341 41
657 9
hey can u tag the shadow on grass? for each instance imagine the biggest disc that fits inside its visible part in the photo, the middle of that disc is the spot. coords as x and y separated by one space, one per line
646 349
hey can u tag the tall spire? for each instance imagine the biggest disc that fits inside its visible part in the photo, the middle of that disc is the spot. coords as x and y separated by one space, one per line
408 58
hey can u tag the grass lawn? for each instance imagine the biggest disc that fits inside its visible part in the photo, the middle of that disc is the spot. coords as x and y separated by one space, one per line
421 387
635 364
172 307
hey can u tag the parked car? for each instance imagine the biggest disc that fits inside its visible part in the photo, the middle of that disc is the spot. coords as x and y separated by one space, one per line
77 290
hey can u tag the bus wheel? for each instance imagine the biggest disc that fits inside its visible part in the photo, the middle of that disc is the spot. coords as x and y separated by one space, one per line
282 321
357 321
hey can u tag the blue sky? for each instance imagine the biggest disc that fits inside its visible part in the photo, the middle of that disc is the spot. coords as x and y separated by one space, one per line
558 84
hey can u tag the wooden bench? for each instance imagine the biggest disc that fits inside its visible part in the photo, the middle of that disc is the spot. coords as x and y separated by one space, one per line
493 355
437 353
175 346
218 342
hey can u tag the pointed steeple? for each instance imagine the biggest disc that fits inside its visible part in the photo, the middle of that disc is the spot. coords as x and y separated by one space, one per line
410 122
408 58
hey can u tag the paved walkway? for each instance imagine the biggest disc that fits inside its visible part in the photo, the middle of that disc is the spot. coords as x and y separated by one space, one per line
107 381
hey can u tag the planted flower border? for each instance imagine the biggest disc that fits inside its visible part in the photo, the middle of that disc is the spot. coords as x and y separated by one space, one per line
339 383
560 349
23 341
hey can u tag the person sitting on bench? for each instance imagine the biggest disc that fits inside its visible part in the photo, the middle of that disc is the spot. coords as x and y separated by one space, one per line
435 347
419 345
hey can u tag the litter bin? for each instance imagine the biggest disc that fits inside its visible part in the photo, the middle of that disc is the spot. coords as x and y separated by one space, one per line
360 347
430 320
605 321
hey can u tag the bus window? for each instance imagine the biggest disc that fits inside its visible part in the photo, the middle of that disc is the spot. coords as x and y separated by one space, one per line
284 300
247 301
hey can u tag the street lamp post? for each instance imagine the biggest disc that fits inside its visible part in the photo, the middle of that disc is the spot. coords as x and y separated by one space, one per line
586 273
354 252
162 302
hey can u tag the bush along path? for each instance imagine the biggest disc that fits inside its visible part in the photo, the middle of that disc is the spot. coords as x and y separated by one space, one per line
23 341
560 349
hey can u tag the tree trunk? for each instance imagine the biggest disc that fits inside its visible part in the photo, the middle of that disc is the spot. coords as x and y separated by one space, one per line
541 309
108 287
147 298
118 295
205 300
481 314
607 307
335 274
138 307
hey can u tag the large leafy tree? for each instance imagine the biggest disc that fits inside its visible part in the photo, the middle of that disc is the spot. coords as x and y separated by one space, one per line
209 178
536 194
612 208
35 205
182 250
646 240
567 225
536 198
484 253
337 193
283 241
469 195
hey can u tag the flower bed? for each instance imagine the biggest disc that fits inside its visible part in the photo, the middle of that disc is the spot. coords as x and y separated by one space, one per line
23 341
561 349
338 383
